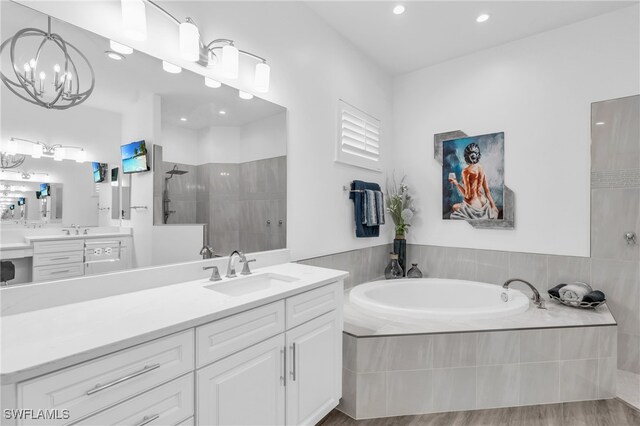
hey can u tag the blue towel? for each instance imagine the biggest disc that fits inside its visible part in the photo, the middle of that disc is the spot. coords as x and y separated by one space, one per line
362 230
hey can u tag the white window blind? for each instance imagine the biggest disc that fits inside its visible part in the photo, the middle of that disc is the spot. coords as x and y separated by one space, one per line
358 138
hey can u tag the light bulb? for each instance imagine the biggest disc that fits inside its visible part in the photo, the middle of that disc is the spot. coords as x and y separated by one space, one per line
120 48
189 41
42 75
12 147
245 95
171 68
27 68
114 55
37 151
56 68
399 9
81 156
33 63
209 82
134 19
261 81
58 154
483 18
230 61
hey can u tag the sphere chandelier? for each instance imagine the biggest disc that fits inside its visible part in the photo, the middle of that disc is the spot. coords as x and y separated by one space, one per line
30 83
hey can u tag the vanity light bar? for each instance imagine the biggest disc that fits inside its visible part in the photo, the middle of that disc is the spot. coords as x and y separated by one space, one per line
135 27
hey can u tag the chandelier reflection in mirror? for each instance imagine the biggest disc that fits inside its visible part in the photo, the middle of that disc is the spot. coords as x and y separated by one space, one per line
49 76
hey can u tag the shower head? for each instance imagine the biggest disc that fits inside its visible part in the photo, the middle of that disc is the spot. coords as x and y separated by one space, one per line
176 171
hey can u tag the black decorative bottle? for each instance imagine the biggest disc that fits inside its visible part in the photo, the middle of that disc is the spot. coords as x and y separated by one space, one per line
393 269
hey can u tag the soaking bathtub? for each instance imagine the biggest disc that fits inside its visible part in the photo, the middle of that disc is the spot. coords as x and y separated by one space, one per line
438 298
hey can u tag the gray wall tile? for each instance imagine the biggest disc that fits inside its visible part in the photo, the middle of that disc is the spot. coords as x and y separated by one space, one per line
498 386
492 266
579 380
454 389
539 383
613 213
529 267
539 345
607 371
614 145
410 352
579 343
568 269
454 350
498 347
372 395
629 352
372 354
409 392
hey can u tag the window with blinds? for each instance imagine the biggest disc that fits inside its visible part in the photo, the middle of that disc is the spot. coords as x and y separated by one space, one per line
358 138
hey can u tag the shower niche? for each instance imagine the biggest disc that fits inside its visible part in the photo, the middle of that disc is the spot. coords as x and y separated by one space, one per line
226 172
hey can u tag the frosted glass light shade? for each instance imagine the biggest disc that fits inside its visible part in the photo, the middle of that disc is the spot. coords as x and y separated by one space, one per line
134 19
245 95
230 61
189 42
261 80
120 48
209 82
58 154
37 151
171 68
81 156
12 147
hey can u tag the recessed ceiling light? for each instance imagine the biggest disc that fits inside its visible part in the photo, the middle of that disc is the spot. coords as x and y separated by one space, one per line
120 48
399 9
483 17
171 68
114 55
222 112
183 119
245 95
600 123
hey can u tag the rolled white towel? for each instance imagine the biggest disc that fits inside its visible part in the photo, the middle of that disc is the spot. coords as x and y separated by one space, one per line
575 292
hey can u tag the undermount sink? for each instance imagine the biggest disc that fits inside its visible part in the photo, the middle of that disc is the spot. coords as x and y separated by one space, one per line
251 284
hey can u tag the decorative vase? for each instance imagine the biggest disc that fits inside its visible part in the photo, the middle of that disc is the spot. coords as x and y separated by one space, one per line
400 248
414 272
393 269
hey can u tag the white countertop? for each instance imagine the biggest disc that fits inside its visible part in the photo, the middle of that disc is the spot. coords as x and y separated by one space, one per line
81 236
15 246
362 324
42 341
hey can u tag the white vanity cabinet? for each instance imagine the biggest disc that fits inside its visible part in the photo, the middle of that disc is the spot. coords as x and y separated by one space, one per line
291 378
68 258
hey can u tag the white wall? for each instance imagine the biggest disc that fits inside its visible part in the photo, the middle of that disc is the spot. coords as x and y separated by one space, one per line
180 144
264 138
219 145
311 68
538 91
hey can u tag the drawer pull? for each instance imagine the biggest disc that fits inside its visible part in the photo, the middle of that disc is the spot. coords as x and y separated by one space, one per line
60 258
293 362
146 369
60 272
148 419
283 366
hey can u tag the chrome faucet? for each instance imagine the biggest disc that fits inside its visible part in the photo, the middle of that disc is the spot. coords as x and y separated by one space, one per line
215 275
206 252
231 268
537 300
245 267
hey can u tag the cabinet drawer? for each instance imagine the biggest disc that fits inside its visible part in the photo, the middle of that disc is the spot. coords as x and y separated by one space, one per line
229 335
57 246
94 385
58 272
168 404
44 259
189 422
311 304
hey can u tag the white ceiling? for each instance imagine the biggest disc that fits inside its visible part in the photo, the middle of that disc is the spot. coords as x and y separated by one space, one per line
119 83
430 32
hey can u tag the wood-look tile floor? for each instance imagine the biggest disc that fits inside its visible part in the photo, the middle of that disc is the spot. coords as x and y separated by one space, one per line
611 412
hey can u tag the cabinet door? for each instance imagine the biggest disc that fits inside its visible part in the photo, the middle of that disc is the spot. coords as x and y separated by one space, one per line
314 354
246 388
104 267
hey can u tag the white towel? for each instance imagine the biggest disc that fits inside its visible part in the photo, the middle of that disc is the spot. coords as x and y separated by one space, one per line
575 292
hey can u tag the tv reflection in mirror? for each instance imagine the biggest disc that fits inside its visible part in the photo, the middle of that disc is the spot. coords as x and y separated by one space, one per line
99 171
134 157
45 189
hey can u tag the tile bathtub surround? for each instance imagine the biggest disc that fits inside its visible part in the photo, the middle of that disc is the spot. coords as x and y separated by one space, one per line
418 374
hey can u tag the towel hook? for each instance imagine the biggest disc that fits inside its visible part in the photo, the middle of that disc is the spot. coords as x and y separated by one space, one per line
631 238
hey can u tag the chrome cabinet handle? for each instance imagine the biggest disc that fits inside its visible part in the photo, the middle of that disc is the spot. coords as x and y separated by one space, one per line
59 272
293 362
283 366
148 419
146 369
91 243
60 258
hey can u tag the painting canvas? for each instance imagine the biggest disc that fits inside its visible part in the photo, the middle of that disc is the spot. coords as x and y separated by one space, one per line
473 177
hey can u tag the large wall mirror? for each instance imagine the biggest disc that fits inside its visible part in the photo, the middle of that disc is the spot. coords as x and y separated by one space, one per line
151 167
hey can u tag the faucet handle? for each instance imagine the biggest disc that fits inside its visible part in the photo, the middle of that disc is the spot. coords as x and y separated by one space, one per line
215 274
245 267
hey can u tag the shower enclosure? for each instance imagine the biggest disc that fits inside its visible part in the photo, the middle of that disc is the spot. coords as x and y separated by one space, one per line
166 201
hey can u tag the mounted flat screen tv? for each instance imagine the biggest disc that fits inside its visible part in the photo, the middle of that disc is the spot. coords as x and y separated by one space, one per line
99 171
21 201
114 174
38 195
134 157
45 190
